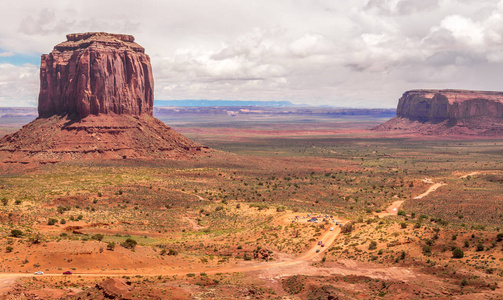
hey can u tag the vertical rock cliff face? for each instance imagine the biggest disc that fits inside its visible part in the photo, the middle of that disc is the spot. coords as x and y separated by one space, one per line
448 112
96 73
439 105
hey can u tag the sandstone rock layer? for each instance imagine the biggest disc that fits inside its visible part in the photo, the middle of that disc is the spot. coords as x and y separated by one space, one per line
448 112
96 73
440 105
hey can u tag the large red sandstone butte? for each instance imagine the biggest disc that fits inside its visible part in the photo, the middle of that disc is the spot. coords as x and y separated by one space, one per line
448 112
96 73
95 101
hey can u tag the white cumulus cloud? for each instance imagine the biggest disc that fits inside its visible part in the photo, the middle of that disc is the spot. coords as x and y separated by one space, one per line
343 53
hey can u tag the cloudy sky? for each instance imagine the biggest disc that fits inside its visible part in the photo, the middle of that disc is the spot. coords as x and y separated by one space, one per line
350 53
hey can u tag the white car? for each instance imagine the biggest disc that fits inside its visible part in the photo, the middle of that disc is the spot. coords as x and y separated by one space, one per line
331 229
39 273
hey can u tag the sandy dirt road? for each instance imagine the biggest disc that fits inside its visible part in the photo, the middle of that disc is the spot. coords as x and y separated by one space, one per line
394 207
431 189
470 174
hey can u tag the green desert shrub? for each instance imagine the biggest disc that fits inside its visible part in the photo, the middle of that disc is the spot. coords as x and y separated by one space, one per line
457 253
111 246
129 244
16 233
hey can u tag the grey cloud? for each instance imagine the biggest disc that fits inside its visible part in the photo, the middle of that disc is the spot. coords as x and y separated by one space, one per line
18 85
401 7
412 6
363 52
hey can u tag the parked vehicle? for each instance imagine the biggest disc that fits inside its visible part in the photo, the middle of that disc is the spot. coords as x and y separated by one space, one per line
320 242
67 273
323 245
39 273
331 229
317 250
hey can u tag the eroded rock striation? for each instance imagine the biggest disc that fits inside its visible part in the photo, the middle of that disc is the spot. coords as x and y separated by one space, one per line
96 73
440 105
443 112
95 102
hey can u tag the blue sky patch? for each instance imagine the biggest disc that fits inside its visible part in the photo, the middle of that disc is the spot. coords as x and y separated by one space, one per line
19 59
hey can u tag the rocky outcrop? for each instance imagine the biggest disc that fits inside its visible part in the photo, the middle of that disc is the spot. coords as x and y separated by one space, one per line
439 105
113 288
96 73
448 112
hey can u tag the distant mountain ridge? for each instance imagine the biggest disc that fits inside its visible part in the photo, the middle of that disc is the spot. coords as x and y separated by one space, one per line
211 103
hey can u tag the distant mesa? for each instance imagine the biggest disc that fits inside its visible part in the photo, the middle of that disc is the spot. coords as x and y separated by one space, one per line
448 112
95 101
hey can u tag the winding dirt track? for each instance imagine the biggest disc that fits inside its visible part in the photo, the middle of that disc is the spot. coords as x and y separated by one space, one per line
431 189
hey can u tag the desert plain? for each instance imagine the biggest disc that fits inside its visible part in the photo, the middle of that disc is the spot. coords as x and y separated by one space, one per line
399 215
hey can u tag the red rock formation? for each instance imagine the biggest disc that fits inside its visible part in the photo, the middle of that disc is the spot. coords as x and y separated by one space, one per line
440 105
96 102
96 73
448 112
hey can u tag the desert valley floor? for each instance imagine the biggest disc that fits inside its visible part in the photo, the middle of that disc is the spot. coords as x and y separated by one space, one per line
398 216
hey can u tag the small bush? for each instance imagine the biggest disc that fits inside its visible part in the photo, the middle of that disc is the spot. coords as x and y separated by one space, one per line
62 209
129 244
464 282
499 237
294 284
348 227
458 253
98 237
480 247
5 201
52 221
111 246
373 245
9 249
427 250
16 233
